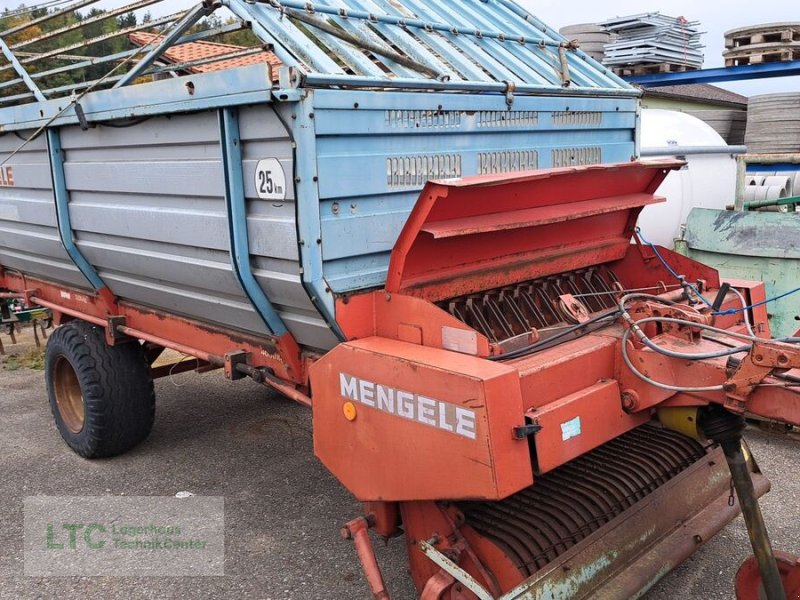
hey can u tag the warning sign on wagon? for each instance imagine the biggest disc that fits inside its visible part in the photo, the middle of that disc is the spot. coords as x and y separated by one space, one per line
270 180
124 536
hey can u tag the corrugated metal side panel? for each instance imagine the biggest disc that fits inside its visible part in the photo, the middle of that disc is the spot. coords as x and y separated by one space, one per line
148 209
29 239
375 154
272 229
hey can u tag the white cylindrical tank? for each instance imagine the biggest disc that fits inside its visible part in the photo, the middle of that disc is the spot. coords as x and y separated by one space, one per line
707 181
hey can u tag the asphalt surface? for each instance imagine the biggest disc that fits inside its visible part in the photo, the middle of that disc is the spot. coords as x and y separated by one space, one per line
283 510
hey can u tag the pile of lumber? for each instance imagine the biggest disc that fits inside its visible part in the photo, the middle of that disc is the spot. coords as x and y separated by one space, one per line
773 123
729 123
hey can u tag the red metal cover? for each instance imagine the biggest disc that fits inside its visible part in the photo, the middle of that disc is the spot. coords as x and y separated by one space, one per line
478 233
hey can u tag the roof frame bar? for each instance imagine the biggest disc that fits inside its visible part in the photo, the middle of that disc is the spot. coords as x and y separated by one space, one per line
359 28
85 22
298 48
498 50
310 7
49 16
100 38
543 29
205 8
23 74
90 62
416 52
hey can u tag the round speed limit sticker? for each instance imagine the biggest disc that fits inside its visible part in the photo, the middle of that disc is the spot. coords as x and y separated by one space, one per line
270 180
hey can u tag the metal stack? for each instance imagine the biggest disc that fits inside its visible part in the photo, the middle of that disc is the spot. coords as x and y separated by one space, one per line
653 42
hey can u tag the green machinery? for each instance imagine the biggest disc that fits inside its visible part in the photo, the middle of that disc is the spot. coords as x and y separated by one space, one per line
755 240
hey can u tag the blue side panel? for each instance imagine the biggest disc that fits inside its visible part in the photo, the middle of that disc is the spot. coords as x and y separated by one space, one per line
306 181
375 151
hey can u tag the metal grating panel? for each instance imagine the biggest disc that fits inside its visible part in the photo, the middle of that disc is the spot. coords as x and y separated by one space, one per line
422 119
583 118
569 157
408 171
508 118
563 507
507 162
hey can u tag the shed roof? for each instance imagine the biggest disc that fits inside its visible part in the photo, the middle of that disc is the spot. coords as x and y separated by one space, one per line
698 92
196 51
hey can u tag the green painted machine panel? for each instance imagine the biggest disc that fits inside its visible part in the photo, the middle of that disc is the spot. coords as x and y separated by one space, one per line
759 246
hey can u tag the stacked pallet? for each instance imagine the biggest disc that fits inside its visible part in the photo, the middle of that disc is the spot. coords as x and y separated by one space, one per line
729 123
772 42
653 43
773 123
591 38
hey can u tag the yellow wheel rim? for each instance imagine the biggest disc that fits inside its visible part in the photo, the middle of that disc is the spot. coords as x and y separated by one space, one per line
69 398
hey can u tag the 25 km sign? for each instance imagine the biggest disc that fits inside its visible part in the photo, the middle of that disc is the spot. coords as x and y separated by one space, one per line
270 180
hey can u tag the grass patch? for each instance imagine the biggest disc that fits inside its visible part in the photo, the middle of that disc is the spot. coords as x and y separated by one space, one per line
30 359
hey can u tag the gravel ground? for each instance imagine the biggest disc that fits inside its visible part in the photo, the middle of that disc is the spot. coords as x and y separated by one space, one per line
283 510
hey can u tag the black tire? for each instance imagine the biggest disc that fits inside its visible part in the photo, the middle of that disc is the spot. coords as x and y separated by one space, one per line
101 396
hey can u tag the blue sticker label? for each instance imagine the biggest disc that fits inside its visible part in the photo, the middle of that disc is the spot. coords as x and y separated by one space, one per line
571 429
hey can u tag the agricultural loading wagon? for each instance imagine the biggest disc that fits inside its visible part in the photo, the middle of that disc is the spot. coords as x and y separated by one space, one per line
421 217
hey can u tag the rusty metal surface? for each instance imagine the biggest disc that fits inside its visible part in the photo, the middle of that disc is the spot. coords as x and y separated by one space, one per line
194 338
537 525
748 578
507 312
615 527
357 530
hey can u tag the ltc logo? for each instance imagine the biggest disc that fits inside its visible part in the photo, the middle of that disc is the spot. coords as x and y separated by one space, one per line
89 534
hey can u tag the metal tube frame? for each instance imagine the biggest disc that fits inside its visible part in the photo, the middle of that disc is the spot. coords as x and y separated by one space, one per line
236 206
203 9
100 38
345 81
91 62
47 17
21 71
692 150
61 194
85 22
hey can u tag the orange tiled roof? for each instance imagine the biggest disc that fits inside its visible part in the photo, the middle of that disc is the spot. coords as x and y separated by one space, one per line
192 51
